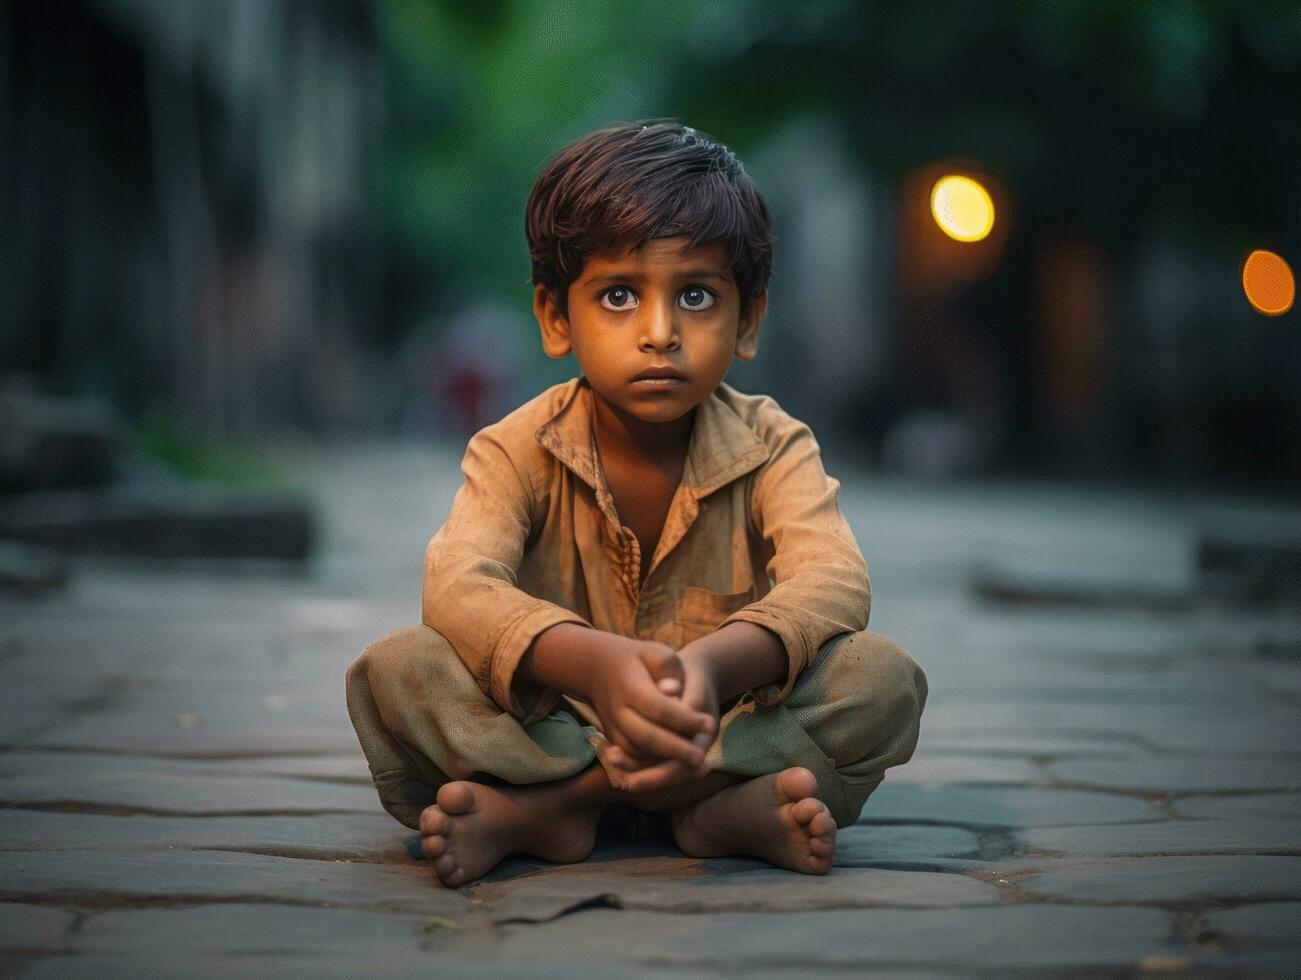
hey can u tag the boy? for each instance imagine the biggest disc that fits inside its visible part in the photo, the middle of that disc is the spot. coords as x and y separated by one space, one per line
645 592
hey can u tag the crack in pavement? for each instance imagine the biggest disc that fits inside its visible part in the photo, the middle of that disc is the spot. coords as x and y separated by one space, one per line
396 856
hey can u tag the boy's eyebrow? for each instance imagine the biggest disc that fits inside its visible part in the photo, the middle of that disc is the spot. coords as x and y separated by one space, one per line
638 277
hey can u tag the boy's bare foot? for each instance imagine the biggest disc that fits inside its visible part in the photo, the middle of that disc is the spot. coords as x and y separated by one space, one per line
773 817
472 827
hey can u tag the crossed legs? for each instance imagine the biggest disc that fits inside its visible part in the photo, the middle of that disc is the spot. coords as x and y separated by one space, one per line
785 777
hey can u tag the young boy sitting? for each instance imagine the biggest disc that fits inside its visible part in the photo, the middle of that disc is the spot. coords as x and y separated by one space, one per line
645 593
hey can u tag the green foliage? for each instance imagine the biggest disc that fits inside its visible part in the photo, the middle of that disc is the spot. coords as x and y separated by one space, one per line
204 460
483 94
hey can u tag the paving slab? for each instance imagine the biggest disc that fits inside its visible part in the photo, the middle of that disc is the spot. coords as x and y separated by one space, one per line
32 926
375 837
1001 806
1263 731
190 736
220 599
22 714
1280 678
169 647
345 767
864 844
177 792
1184 773
1020 676
1018 936
25 711
1280 835
1184 880
1239 806
370 963
108 878
657 884
1267 924
208 719
253 930
994 632
931 769
988 742
1253 725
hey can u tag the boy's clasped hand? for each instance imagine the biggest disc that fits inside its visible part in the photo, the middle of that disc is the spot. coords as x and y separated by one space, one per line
658 708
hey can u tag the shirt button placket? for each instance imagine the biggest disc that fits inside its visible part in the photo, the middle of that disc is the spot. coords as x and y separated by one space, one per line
629 561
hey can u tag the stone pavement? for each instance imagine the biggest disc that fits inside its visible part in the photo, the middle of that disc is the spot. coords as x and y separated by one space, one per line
1107 787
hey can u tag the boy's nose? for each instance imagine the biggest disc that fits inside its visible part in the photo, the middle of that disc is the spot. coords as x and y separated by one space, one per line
658 328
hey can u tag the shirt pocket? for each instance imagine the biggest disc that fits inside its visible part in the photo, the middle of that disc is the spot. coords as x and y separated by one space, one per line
702 610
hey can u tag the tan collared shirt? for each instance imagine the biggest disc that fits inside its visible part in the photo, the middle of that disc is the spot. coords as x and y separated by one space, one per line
754 533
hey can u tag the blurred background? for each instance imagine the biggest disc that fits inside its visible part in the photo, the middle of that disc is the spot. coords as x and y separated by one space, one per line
235 231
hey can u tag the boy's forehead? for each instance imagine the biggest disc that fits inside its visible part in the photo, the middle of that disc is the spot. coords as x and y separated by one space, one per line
661 253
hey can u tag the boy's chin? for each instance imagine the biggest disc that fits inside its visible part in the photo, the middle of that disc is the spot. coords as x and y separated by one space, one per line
654 407
663 412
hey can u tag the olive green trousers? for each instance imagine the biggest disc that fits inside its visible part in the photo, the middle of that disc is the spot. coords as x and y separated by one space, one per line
423 721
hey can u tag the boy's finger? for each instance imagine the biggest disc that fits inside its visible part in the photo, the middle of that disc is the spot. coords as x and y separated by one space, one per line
663 664
657 777
675 714
620 742
651 739
669 685
704 740
665 774
620 759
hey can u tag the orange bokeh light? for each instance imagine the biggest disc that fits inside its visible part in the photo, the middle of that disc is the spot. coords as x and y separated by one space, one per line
1268 282
962 208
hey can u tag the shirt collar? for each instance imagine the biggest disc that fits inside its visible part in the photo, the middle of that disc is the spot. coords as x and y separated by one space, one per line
722 446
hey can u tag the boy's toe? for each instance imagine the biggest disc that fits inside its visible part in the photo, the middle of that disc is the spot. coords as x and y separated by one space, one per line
434 845
821 847
434 821
824 824
455 798
446 866
795 783
807 810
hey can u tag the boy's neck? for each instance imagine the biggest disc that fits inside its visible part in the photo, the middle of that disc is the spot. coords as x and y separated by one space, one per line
626 435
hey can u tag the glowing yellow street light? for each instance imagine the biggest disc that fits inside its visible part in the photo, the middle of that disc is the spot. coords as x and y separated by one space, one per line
1268 282
962 208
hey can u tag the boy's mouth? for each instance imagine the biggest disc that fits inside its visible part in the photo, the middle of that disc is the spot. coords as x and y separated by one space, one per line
658 384
660 374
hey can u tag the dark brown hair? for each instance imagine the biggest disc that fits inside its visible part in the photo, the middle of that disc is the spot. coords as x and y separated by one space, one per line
619 187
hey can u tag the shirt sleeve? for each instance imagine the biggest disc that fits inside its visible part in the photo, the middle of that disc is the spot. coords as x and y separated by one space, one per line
821 587
470 594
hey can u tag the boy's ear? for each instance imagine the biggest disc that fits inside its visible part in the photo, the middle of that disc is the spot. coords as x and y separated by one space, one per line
554 325
747 331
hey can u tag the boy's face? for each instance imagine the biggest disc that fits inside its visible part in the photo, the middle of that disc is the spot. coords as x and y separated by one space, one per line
631 312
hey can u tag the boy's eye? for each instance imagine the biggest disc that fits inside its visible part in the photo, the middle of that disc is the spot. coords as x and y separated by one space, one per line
619 298
696 298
